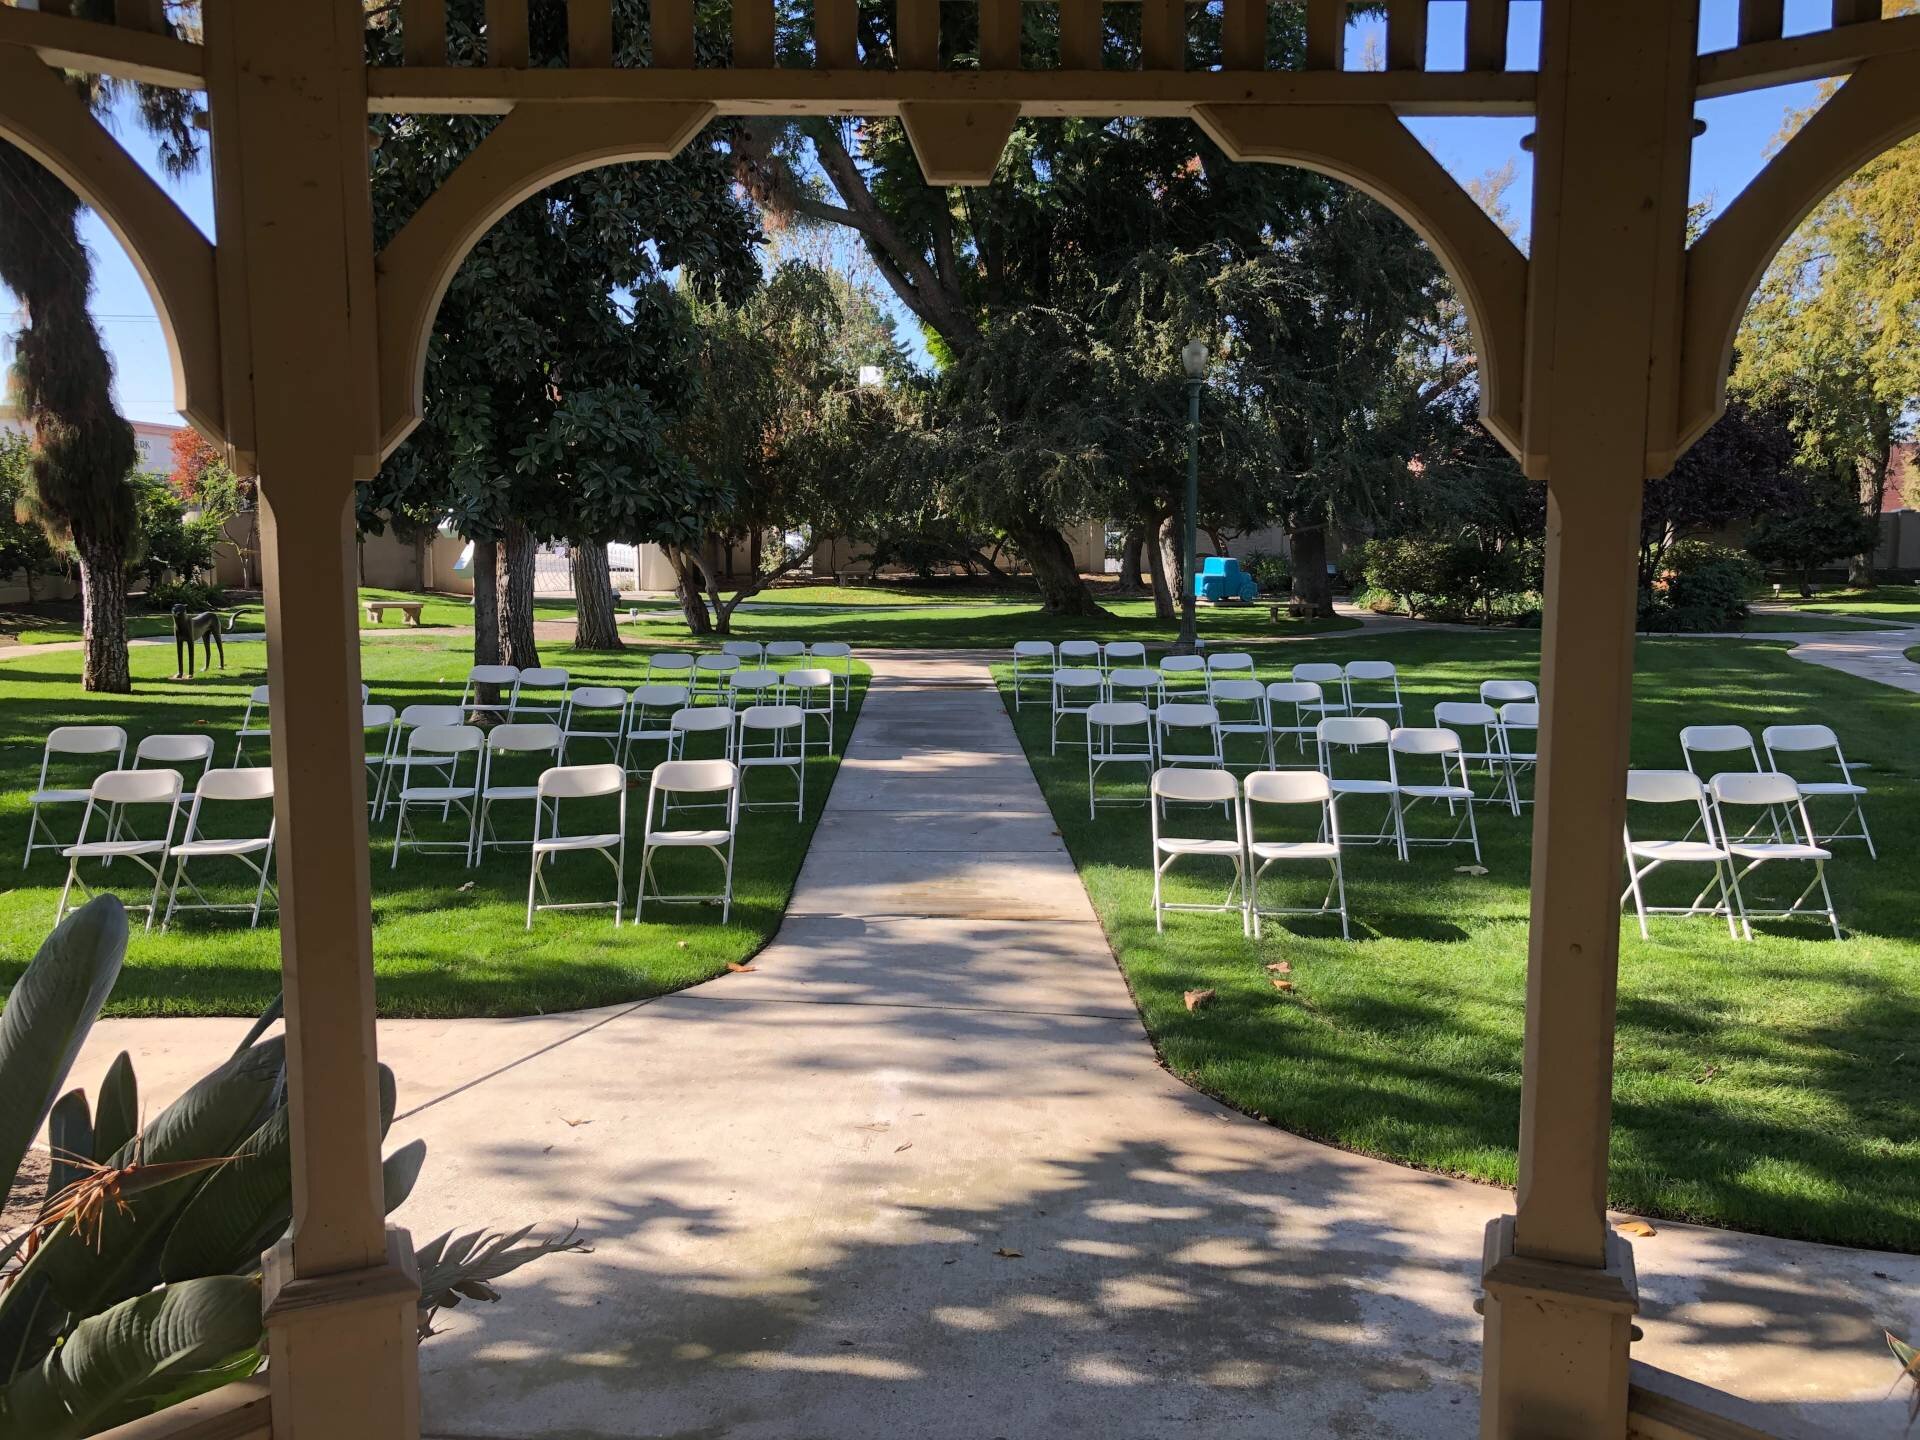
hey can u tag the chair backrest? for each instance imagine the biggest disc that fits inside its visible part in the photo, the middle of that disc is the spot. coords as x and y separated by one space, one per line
1452 713
1717 740
743 648
702 718
772 717
1800 737
1033 650
1131 678
443 739
249 782
1664 787
414 716
687 777
372 717
1423 740
86 740
1126 652
1520 715
1295 692
810 678
597 697
1182 664
543 677
1229 660
580 782
718 664
1288 787
659 696
1076 679
1181 715
492 675
1236 692
1319 673
754 679
1501 692
830 649
257 696
523 739
174 749
1080 650
136 787
1354 730
784 649
1372 670
1754 787
1184 783
671 661
1118 713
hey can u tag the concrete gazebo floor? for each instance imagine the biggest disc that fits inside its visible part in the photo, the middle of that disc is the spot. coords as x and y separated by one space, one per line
919 1174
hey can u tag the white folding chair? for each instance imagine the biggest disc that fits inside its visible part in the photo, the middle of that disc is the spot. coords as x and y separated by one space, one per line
1187 734
502 678
650 721
1406 749
1679 788
812 688
710 676
1717 742
1134 683
1118 733
1784 741
1306 701
544 741
376 742
1075 691
747 652
1471 717
701 720
1773 794
1182 674
839 650
669 667
69 740
1332 680
784 650
1242 708
167 752
691 777
1519 732
1079 655
256 722
1288 789
1032 660
1378 680
244 786
540 695
1129 653
411 718
111 792
439 747
773 737
1229 664
596 714
1509 692
577 782
1352 734
1197 787
757 686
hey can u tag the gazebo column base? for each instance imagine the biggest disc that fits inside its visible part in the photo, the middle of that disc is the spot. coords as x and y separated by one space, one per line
340 1347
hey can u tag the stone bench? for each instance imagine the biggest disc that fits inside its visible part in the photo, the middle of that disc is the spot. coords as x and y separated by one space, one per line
409 610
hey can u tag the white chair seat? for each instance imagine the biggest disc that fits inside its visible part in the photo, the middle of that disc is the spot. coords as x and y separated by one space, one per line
1294 850
1171 845
510 792
436 794
1677 851
193 848
58 797
1437 792
102 849
1831 787
1777 850
576 842
1364 787
689 837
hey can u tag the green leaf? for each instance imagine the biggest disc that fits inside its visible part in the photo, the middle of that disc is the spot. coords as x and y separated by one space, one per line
50 1010
399 1172
117 1107
69 1133
136 1356
222 1226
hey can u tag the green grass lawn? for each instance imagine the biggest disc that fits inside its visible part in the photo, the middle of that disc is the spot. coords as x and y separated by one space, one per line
32 629
1807 622
1897 603
446 940
1767 1086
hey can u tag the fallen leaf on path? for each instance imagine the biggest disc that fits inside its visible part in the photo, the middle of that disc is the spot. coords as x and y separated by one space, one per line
737 968
1198 998
576 1124
1008 1254
1636 1227
898 1148
1469 869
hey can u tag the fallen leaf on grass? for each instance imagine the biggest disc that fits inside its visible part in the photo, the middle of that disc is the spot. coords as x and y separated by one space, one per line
1280 984
1198 998
1008 1254
466 887
1639 1228
1280 967
681 943
737 968
898 1148
1706 1075
1469 869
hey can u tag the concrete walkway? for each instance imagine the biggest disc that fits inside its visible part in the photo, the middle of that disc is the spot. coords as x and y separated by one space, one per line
919 1175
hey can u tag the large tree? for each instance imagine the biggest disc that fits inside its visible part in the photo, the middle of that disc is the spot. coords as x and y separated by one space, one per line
77 484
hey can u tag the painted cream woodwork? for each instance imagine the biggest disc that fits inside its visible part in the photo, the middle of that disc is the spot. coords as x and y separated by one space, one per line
1603 356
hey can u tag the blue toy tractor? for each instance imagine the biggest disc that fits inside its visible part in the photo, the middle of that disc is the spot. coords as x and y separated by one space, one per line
1222 581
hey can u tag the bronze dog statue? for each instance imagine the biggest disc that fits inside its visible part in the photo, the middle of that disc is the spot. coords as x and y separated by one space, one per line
187 629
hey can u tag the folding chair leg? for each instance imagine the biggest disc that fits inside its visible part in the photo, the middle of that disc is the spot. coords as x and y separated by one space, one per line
60 911
1634 876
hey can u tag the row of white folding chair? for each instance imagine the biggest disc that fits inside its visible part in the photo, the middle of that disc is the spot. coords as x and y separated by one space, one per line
1769 794
113 793
680 667
1783 744
537 690
1035 660
256 721
1509 745
1251 855
89 743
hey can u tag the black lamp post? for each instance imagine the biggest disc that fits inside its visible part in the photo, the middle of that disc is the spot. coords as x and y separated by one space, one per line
1193 359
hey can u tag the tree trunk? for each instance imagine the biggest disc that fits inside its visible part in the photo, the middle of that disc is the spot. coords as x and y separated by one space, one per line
103 611
515 592
486 615
1062 591
1308 546
596 627
1163 564
1130 550
420 543
1860 567
686 589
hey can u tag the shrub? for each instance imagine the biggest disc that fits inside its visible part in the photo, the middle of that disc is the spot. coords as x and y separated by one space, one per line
1449 576
1272 573
1703 587
190 593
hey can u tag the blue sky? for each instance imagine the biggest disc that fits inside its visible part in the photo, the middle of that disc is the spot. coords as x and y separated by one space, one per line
1740 130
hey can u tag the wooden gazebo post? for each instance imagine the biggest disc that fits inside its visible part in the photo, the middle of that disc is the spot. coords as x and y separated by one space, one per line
287 92
1611 151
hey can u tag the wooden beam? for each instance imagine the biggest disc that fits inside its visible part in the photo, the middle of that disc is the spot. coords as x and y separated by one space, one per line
589 33
916 39
1855 12
1487 34
1080 35
671 23
753 33
1407 34
423 32
470 90
1813 56
1761 20
96 49
834 42
149 16
507 33
1243 38
1000 34
1163 34
1326 34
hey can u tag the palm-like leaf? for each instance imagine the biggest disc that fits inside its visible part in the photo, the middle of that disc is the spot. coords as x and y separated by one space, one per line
453 1268
116 1109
